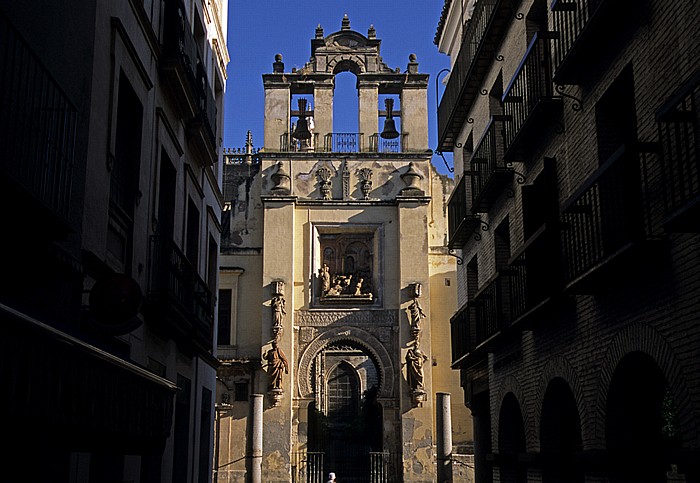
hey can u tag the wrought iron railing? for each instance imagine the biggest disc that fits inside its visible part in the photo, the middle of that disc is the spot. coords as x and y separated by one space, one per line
606 214
462 332
38 124
307 467
241 156
491 309
173 275
569 18
476 31
487 161
383 467
343 142
378 144
290 144
679 135
534 273
531 84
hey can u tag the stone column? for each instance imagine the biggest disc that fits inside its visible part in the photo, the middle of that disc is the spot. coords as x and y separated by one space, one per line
254 439
368 102
277 111
414 117
323 110
443 418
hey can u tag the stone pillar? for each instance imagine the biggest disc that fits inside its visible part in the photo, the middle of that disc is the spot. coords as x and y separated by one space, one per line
323 110
414 117
368 101
254 440
416 405
443 418
278 280
277 111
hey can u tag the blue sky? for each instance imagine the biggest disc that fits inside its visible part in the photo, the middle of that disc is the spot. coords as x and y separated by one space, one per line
260 29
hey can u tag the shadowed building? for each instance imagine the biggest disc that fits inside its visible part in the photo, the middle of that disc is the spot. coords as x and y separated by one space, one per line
336 282
574 127
110 127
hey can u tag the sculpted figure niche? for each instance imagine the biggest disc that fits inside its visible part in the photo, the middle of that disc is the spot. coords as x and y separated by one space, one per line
346 271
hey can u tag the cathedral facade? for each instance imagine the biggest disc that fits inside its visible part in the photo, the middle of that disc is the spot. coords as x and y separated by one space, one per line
336 286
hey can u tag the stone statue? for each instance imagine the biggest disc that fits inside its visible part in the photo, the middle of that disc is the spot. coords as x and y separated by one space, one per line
325 277
417 314
415 358
358 286
276 362
278 311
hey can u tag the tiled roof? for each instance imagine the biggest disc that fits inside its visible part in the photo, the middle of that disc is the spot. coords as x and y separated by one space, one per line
443 19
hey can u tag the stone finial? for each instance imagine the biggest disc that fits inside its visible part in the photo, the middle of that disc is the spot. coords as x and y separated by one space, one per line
371 32
411 177
282 181
345 25
278 65
249 142
319 32
412 64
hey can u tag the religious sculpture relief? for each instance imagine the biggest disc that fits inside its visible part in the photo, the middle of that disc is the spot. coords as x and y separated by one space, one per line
416 314
345 275
276 360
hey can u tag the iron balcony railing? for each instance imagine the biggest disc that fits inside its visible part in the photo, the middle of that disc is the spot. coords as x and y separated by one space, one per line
173 279
529 91
180 49
461 223
570 19
343 142
462 333
378 144
679 135
491 309
605 215
38 125
466 73
307 467
534 273
383 467
489 172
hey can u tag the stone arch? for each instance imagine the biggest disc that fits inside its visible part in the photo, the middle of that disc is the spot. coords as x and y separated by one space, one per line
346 63
359 337
645 339
511 439
559 367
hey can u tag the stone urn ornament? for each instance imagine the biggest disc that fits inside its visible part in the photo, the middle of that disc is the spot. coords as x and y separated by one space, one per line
282 181
411 178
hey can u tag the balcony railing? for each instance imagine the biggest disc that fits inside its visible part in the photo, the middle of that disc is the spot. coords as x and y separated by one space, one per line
463 333
460 220
679 135
605 216
343 142
491 309
38 125
378 144
175 284
571 19
184 67
489 172
481 36
529 94
534 273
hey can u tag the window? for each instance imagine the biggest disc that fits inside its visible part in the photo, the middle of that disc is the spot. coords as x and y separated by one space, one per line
181 429
192 247
224 335
205 436
240 391
616 119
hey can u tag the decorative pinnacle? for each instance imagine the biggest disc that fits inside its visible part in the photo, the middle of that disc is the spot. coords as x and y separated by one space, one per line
346 23
371 32
319 32
249 142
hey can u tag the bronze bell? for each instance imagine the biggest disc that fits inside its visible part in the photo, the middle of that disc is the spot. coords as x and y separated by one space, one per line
389 131
302 129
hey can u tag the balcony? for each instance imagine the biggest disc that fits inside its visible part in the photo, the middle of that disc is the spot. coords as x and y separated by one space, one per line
529 98
482 37
489 172
179 302
462 331
491 309
604 218
679 135
461 222
343 143
184 72
38 126
534 273
587 30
